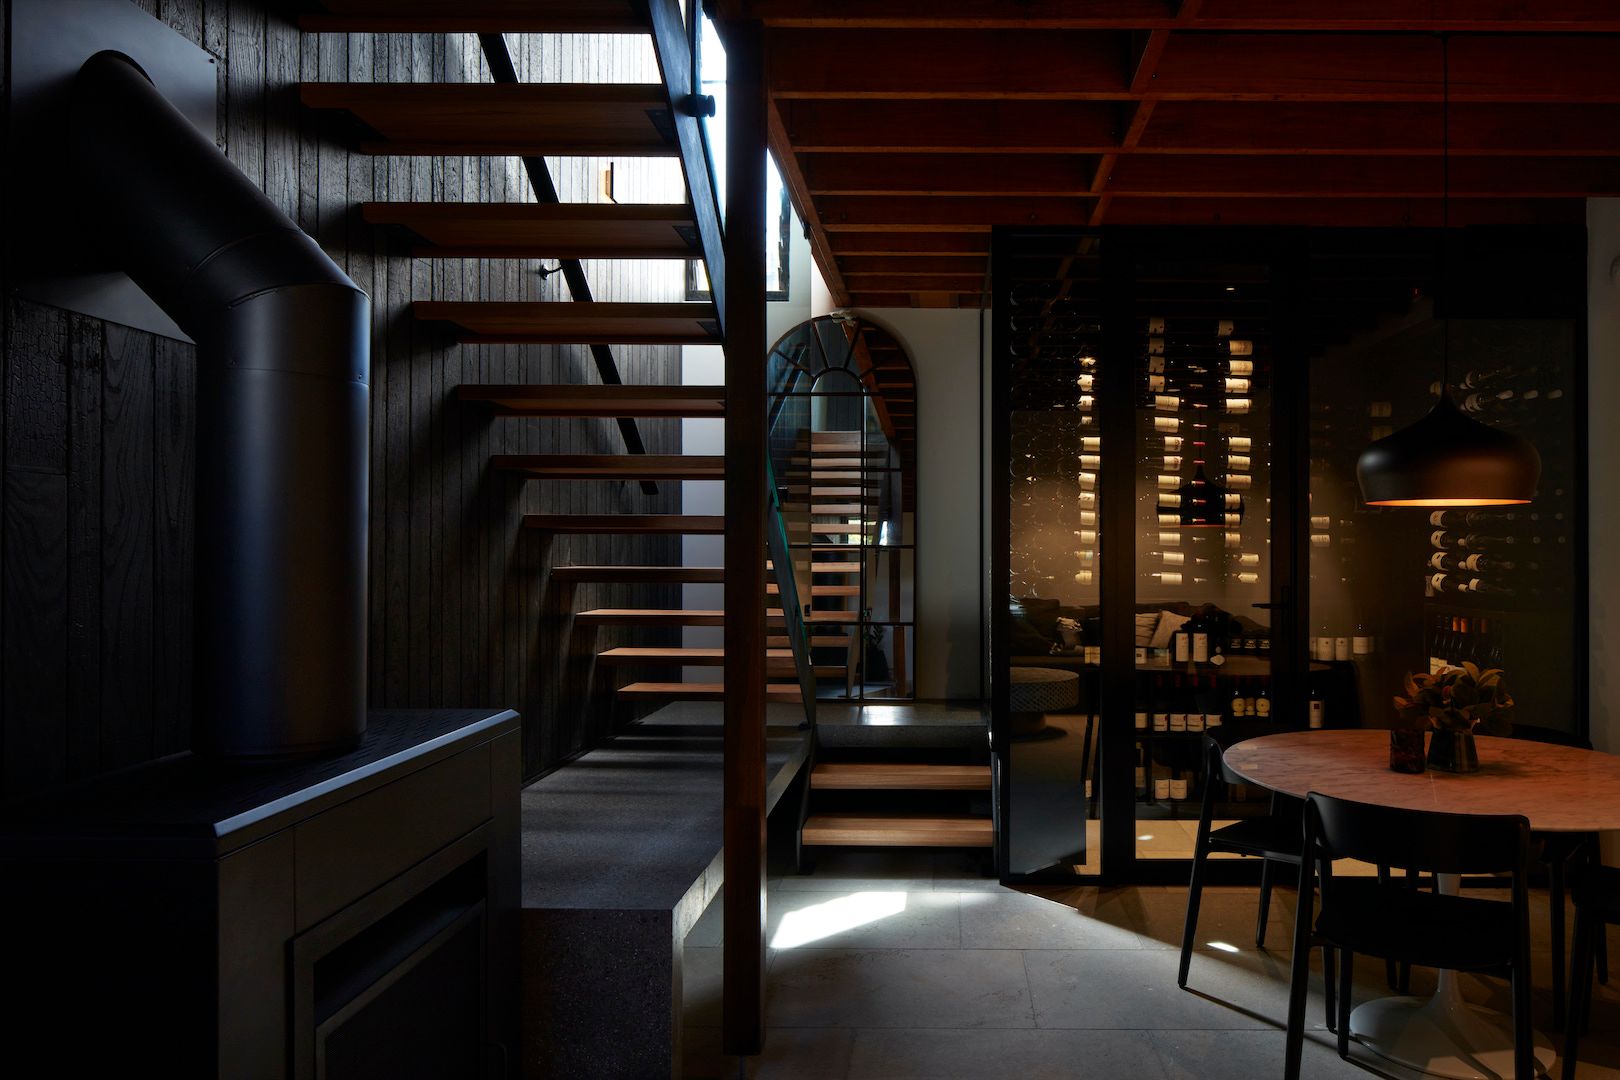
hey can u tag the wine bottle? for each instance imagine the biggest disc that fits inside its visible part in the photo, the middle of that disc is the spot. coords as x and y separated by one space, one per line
1487 588
1361 644
1318 710
1237 709
1459 519
1446 584
1262 703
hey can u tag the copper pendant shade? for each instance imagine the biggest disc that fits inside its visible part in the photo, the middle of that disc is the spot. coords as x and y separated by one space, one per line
1448 459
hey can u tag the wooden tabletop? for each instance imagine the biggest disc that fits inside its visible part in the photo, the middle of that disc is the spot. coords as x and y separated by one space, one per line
1558 788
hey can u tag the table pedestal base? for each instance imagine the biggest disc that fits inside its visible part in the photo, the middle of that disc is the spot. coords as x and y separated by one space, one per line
1443 1036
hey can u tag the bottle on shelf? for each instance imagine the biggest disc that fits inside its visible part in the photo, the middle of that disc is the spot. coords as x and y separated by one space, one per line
1341 648
1318 710
1362 643
1237 708
1262 703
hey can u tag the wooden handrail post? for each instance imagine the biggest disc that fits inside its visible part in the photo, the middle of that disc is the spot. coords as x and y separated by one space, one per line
743 1022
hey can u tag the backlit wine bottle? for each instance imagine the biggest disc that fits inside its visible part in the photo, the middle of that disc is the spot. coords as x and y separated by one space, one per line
1472 519
1487 588
1445 584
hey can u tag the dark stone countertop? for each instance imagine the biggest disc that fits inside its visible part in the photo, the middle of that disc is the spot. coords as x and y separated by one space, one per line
223 805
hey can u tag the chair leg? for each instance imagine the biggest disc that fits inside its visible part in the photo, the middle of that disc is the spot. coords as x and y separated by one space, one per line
1391 976
1330 980
1603 958
1555 900
1347 966
1580 985
1267 869
1189 929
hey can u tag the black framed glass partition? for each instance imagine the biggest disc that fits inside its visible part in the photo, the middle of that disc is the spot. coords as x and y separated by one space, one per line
1175 519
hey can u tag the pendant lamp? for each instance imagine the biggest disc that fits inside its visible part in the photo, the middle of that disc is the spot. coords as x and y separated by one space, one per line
1448 458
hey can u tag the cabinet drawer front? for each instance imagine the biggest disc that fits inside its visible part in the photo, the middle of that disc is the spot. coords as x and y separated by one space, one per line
353 848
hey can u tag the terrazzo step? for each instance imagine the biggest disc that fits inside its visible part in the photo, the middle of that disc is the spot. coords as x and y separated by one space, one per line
860 830
896 776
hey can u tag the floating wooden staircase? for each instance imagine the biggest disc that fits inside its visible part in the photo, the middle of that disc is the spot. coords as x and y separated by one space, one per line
529 121
898 803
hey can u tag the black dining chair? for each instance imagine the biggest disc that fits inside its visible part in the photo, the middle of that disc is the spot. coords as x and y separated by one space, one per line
1557 851
1429 929
1275 837
1597 905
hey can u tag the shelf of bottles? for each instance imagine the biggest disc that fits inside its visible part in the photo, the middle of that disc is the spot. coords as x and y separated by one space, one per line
1397 590
1203 367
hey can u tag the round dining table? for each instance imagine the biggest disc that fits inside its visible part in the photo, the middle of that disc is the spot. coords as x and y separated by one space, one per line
1557 788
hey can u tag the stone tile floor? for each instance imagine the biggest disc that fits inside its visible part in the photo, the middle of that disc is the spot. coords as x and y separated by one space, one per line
903 966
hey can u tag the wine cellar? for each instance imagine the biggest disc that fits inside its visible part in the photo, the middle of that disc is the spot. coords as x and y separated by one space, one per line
1178 423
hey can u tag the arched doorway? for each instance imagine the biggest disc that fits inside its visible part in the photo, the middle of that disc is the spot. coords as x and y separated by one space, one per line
844 454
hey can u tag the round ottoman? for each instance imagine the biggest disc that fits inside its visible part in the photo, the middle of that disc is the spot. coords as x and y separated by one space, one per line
1035 691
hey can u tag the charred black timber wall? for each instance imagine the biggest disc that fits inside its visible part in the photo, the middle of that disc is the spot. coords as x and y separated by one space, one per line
97 438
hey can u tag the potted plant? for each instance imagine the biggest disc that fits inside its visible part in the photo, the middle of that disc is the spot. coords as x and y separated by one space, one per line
1457 703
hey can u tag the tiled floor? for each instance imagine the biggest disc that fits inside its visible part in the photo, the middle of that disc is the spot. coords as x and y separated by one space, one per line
902 966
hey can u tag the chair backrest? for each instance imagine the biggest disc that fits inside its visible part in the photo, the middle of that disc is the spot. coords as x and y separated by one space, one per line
1222 737
1419 839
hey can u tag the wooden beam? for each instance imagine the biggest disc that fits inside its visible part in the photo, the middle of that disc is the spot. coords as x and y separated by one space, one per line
946 64
1349 177
791 170
1081 65
1375 213
1197 127
947 174
866 265
945 214
1382 128
909 245
743 858
955 127
1517 16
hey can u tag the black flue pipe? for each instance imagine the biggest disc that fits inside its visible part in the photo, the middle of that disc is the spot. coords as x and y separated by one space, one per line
283 369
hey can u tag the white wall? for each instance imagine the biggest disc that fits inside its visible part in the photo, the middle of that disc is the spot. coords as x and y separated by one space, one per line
944 348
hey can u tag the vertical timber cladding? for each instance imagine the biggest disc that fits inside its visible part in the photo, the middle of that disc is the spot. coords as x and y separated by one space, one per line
97 433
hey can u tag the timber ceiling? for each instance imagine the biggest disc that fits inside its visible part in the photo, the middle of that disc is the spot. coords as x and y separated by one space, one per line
907 128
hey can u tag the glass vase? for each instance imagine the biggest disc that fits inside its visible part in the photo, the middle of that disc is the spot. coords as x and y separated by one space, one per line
1406 750
1454 751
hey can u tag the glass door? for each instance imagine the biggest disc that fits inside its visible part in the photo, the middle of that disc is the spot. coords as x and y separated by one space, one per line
1138 402
1203 350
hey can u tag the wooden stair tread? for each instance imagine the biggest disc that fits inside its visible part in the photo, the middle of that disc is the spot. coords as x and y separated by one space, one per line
572 323
543 230
817 641
784 693
476 16
839 508
511 119
857 830
820 590
895 776
658 575
613 466
574 399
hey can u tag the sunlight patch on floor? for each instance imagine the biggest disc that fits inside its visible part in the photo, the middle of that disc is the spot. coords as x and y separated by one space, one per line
823 920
